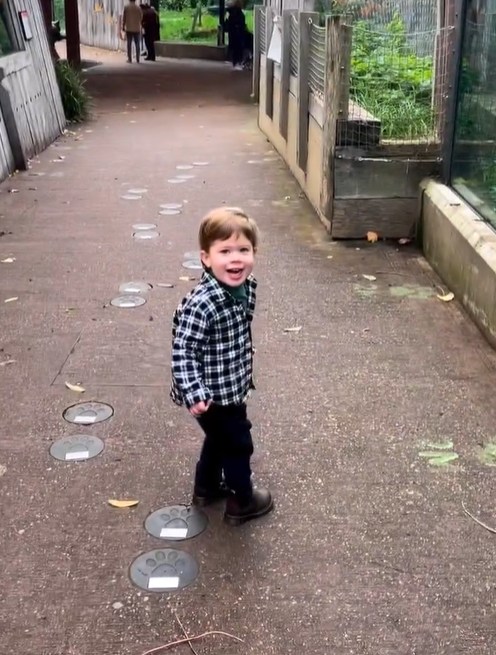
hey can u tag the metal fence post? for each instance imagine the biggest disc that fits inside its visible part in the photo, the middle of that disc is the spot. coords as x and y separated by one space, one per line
257 9
287 17
453 91
305 27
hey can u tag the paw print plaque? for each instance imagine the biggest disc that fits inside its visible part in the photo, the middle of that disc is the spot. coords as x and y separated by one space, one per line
176 523
76 448
163 570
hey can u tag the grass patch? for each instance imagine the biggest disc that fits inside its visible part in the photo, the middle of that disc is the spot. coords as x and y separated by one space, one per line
75 98
176 26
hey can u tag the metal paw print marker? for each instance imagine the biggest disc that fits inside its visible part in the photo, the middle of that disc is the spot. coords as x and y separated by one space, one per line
76 448
88 413
128 301
163 570
176 523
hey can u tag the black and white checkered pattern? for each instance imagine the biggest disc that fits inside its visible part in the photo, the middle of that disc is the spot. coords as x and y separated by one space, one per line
212 352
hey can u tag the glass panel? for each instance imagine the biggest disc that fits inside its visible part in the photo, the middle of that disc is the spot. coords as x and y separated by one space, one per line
474 157
7 41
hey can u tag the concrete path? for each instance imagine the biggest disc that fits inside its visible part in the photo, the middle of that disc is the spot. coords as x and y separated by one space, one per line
369 551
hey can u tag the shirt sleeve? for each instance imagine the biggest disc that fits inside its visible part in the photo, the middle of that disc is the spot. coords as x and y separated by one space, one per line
189 342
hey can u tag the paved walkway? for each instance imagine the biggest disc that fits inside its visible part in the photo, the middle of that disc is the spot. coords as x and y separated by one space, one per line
369 550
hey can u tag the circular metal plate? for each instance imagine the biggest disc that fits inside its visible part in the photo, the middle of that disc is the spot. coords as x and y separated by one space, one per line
175 180
137 191
169 212
130 197
128 301
88 413
171 205
146 234
176 523
192 254
193 264
134 287
201 163
144 226
185 176
163 570
184 167
76 448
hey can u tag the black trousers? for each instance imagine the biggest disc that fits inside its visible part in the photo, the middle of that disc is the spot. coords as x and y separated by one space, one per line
150 47
227 450
236 46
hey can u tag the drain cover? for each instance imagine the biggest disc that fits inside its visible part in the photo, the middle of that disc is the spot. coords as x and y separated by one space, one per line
185 176
134 287
176 523
144 226
76 448
200 163
163 570
88 413
169 212
127 302
171 205
146 234
193 264
137 191
130 197
175 180
184 167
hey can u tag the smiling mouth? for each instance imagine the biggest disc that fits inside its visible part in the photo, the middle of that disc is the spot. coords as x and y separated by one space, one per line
234 271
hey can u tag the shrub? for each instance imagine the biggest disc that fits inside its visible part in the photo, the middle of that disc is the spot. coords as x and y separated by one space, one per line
75 98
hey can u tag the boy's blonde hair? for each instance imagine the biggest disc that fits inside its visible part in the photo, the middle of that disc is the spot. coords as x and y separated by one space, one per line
224 222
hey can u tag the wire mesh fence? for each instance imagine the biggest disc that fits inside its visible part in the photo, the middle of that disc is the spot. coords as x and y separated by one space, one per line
294 49
316 68
396 91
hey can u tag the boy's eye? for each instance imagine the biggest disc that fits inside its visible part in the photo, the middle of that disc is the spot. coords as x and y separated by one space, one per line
245 249
224 251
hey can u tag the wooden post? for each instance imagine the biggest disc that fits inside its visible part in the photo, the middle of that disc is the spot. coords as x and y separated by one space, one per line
287 17
333 73
255 91
72 32
305 28
269 64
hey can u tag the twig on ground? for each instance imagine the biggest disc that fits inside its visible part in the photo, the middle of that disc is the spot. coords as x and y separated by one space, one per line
474 518
185 634
172 644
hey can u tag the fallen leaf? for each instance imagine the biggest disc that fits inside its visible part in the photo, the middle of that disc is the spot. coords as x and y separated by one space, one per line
7 362
372 237
404 241
293 329
329 256
446 297
9 260
13 190
122 503
187 278
371 278
12 299
165 285
75 387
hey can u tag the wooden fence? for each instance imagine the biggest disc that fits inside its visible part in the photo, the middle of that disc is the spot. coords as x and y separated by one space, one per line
357 180
31 113
99 23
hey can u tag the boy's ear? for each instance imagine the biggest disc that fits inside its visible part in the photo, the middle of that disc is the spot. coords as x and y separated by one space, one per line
205 258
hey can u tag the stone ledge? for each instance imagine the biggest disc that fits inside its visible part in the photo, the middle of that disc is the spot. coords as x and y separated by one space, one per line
461 247
176 50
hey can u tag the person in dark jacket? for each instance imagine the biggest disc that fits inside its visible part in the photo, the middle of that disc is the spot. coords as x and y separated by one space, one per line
151 28
236 28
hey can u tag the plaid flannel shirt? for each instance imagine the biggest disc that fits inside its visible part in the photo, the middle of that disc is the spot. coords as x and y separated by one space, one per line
212 352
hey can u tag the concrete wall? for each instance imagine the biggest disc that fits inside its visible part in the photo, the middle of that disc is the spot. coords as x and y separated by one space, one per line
462 249
311 181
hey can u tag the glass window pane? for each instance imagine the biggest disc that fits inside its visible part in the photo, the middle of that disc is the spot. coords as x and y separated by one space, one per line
7 41
474 158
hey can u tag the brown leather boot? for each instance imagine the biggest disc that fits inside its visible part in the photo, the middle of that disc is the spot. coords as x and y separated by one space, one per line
261 503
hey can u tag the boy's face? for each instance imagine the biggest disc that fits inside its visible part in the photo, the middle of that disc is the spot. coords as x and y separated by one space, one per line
231 260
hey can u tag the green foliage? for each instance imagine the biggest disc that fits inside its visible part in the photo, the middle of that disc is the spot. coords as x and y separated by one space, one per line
176 26
390 81
75 99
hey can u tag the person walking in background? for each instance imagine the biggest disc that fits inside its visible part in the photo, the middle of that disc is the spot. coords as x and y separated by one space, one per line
131 25
151 27
236 28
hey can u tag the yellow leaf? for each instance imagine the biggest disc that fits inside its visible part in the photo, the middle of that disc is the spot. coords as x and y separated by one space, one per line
122 503
12 299
75 387
446 297
371 278
293 329
187 278
372 237
9 260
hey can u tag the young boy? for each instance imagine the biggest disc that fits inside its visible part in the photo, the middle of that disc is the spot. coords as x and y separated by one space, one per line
212 361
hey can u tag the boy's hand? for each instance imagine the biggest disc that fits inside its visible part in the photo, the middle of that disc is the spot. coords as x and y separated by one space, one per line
200 408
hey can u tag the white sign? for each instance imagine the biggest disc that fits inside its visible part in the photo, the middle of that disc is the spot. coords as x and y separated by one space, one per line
177 533
82 454
275 47
163 583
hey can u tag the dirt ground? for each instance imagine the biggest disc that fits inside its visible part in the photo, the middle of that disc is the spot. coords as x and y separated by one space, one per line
369 550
